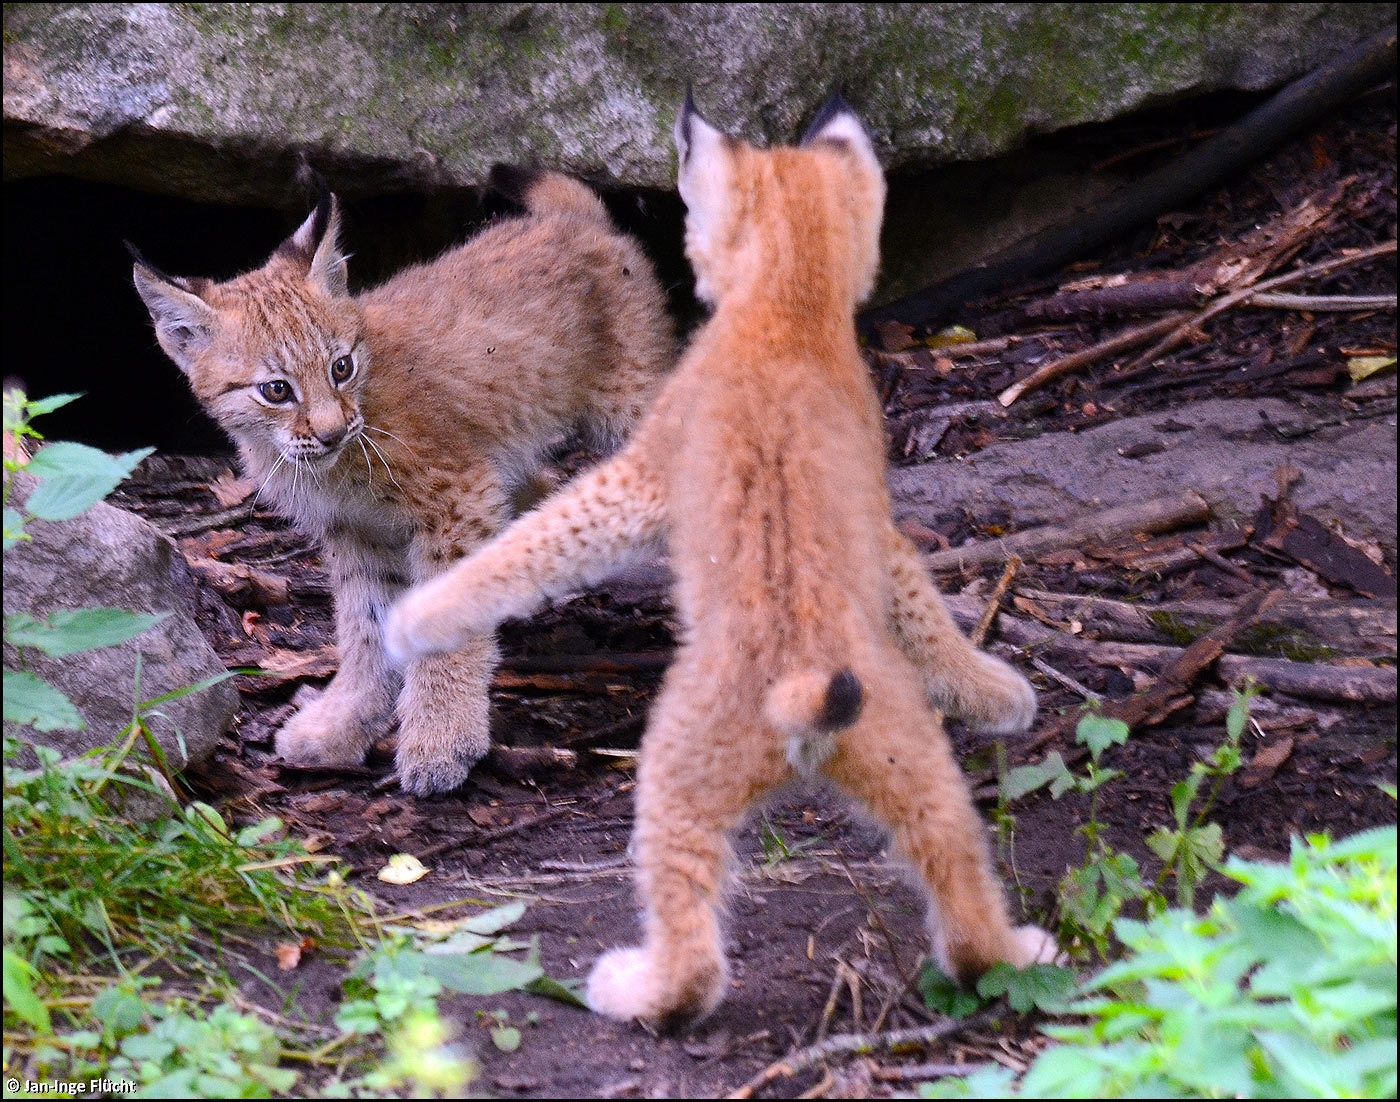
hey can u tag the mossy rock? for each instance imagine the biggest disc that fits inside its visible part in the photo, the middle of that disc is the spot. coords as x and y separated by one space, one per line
216 102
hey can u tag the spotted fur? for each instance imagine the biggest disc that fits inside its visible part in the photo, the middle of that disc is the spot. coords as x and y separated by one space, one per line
394 425
813 640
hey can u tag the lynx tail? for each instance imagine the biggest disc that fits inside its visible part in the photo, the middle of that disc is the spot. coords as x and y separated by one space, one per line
810 707
543 192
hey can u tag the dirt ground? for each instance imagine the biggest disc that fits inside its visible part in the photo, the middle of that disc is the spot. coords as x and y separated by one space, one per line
825 937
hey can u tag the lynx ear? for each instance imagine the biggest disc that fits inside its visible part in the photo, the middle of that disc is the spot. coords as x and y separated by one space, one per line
316 244
837 122
703 176
185 324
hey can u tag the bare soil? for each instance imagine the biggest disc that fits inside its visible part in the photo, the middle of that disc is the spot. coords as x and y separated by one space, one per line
825 937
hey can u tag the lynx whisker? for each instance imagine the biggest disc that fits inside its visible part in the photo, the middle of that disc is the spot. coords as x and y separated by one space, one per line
387 469
281 459
391 436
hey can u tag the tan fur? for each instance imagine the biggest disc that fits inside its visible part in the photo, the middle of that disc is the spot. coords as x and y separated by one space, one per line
762 467
466 369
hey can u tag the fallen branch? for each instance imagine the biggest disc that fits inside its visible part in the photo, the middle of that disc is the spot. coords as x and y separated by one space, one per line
854 1044
979 633
1350 626
1225 302
1170 692
1319 304
1092 355
1161 514
1313 680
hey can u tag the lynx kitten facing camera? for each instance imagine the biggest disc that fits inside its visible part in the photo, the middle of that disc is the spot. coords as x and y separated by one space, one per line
813 643
394 425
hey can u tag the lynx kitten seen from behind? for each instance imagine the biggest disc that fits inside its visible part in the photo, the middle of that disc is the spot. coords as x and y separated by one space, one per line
814 642
394 425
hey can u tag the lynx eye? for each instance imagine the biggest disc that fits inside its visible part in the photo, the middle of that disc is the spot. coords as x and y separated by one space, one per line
342 369
276 391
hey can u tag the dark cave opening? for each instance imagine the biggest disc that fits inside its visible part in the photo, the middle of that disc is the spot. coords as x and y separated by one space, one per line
74 322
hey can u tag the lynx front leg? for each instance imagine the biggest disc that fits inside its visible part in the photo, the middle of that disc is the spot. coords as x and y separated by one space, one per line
958 678
444 709
357 707
574 538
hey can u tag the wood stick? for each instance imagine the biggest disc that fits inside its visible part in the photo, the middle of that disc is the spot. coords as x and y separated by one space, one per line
1156 515
1313 680
1324 303
1170 692
1130 338
1234 298
979 633
843 1044
1360 626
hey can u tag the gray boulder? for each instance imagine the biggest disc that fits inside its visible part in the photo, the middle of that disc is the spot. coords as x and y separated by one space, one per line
110 558
1229 454
214 102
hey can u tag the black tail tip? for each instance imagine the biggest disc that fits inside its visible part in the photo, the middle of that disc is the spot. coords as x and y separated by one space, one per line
844 700
513 181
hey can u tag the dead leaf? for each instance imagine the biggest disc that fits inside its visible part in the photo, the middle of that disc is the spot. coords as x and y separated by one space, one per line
952 336
1363 367
289 953
894 336
403 868
1266 762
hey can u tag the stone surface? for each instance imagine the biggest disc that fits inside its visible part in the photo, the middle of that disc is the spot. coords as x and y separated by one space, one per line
110 558
1228 454
215 102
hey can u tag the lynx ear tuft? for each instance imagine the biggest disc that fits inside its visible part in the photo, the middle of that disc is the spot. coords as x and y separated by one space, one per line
185 324
836 121
316 244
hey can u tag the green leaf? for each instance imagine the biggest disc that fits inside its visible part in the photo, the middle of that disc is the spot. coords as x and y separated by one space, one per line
1025 779
120 1011
564 991
20 999
75 478
14 527
83 629
1045 987
480 973
506 1038
37 407
1238 715
943 993
32 701
1098 733
496 919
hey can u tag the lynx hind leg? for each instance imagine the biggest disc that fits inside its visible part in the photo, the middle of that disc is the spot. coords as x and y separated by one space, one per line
700 768
898 762
445 717
959 679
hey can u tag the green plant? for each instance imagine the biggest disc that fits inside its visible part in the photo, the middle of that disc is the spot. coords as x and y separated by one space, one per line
71 478
1093 895
1044 987
1288 989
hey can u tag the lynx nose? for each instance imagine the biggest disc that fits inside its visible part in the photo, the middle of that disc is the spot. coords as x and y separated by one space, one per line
331 437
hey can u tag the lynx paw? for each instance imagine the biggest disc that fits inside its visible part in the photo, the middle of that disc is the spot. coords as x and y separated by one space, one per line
626 984
420 625
323 734
995 698
1035 946
429 775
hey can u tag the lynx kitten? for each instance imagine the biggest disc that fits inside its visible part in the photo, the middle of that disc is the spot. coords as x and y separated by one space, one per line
810 626
395 424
